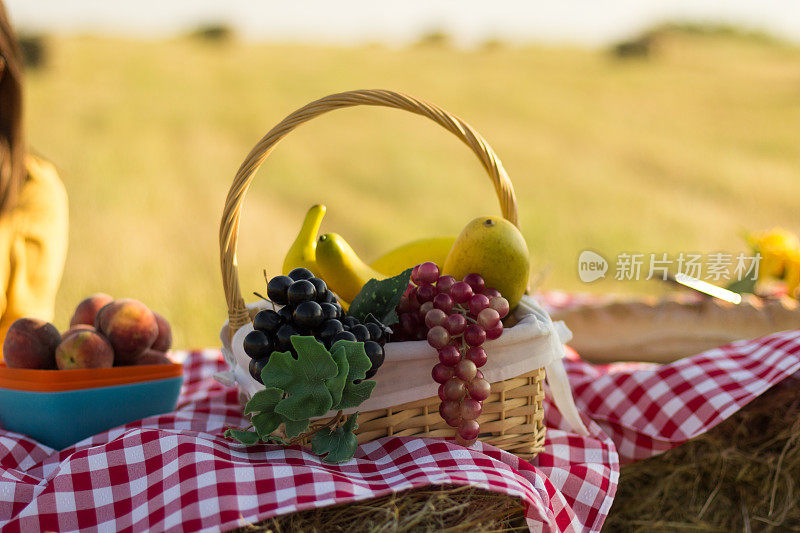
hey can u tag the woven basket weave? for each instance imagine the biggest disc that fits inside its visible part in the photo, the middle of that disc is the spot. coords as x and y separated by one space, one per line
513 416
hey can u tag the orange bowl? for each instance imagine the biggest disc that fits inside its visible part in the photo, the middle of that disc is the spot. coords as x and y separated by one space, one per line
85 378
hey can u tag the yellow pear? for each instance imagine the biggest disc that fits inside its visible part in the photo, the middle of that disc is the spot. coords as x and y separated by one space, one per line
494 248
341 268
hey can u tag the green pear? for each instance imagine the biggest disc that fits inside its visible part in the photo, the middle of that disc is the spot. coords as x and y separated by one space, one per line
494 248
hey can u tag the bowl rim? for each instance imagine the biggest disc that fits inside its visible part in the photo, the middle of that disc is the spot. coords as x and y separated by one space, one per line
26 379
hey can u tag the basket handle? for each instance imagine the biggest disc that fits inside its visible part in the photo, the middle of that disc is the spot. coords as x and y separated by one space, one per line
229 227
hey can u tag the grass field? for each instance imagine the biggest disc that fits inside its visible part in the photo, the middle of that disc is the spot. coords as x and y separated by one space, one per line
678 152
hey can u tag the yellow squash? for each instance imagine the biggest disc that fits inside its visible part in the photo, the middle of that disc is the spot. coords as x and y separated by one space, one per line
302 253
343 271
403 257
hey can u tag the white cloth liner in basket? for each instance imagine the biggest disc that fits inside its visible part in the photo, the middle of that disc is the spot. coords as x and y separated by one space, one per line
534 342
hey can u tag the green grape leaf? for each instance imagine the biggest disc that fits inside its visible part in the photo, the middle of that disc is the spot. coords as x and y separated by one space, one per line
294 428
276 440
336 384
248 438
303 379
351 424
263 400
742 286
354 394
379 298
265 423
391 317
338 445
306 401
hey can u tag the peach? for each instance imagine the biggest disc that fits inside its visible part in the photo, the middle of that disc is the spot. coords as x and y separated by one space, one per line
84 349
98 318
31 343
152 357
76 328
130 327
164 340
87 310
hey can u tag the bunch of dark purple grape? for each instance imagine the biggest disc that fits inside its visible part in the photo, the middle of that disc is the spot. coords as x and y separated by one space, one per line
309 308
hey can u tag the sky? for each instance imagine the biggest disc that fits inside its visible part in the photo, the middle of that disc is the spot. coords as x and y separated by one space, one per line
587 22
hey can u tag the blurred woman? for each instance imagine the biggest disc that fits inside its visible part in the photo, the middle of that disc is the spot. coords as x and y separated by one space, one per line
33 204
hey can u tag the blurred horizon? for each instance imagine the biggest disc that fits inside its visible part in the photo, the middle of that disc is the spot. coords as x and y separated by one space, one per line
352 22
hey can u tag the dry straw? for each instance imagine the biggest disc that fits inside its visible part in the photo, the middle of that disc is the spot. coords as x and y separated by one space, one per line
512 416
740 476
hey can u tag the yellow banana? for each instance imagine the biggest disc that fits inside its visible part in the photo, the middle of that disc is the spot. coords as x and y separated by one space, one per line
302 253
343 271
413 253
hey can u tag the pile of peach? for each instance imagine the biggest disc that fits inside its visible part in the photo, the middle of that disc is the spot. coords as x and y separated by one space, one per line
103 332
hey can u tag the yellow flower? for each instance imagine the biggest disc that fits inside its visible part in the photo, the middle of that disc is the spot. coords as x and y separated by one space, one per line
793 274
777 239
779 248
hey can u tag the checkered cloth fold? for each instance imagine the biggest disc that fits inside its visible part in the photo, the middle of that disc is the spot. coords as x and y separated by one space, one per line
177 472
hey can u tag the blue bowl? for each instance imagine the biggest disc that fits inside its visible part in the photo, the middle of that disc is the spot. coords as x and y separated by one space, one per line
60 419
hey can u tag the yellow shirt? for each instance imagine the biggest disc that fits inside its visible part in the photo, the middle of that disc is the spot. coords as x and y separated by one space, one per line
33 246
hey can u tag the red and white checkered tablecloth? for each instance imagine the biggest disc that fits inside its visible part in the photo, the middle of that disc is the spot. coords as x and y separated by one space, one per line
177 472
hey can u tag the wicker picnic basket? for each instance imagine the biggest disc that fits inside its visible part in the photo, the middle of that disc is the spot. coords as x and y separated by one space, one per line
513 416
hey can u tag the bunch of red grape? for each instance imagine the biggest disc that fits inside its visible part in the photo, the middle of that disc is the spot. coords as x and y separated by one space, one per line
456 317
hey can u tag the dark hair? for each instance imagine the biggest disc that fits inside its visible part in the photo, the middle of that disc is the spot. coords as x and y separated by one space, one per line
12 146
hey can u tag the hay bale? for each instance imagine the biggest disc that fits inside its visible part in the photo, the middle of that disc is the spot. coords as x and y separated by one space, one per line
424 509
435 38
740 476
215 32
640 47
